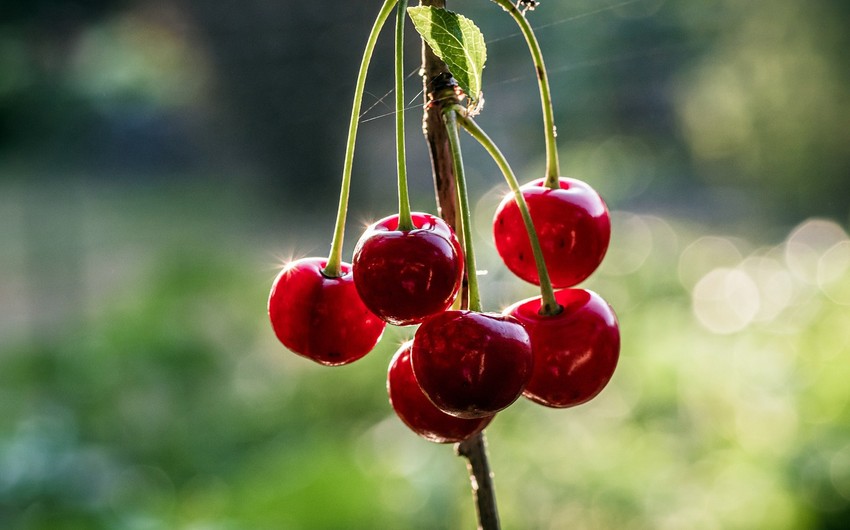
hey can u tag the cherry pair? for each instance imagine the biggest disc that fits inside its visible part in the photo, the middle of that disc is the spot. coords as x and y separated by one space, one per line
460 369
576 347
463 367
398 276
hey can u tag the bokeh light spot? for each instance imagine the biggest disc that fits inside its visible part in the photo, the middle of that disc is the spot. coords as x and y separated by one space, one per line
775 285
808 243
834 273
725 300
705 254
631 244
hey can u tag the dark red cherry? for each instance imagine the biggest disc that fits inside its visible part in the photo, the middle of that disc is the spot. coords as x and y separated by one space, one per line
572 224
322 318
406 276
417 411
471 364
575 351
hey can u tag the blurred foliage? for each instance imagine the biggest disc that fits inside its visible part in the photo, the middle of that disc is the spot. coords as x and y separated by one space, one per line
152 167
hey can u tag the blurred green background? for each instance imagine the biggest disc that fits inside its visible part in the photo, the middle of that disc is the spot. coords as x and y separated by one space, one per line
160 160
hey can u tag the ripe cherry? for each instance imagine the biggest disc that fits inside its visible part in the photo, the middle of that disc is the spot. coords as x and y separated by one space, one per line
405 276
471 364
417 411
319 317
575 351
573 226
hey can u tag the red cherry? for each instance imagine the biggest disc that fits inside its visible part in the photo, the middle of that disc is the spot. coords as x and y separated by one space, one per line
573 226
406 276
575 351
471 364
417 412
322 318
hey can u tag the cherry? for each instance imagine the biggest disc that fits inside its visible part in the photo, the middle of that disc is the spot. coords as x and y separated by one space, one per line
471 364
417 411
575 351
573 226
405 276
320 317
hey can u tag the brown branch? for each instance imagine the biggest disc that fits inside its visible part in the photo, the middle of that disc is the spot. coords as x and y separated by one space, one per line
439 90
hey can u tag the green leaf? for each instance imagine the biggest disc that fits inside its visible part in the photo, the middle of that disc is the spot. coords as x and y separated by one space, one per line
457 41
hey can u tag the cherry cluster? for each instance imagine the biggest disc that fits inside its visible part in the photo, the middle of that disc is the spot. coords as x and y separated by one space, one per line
462 367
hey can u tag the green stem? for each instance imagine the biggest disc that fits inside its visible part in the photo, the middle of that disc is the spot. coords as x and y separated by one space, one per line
450 118
550 305
405 222
553 170
475 451
332 268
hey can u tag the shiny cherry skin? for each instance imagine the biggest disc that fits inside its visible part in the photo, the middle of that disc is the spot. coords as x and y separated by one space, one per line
469 364
319 317
575 351
572 224
417 411
405 276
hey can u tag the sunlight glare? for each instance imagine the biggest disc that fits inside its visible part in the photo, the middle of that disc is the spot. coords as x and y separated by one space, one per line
283 260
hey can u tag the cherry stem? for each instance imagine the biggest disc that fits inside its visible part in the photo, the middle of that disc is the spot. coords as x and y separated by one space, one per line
450 117
332 268
474 449
553 170
405 221
547 293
